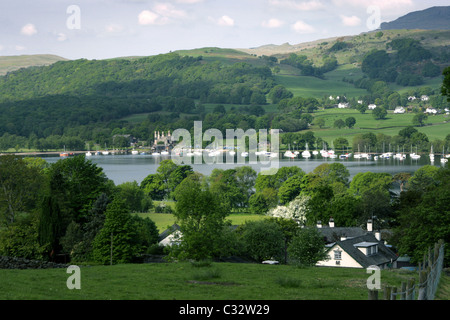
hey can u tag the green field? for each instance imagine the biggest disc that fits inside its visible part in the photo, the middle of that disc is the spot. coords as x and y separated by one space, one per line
437 127
165 220
184 281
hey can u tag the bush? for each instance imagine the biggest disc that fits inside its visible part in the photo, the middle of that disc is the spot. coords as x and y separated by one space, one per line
262 240
307 248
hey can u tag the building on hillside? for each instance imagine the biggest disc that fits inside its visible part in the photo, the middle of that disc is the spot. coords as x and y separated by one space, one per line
371 106
424 98
162 142
411 98
355 248
343 105
399 110
431 111
170 236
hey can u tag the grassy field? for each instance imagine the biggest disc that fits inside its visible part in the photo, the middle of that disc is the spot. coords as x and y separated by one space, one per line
165 220
436 127
184 281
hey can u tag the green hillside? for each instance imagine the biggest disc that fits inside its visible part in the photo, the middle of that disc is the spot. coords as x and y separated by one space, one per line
12 63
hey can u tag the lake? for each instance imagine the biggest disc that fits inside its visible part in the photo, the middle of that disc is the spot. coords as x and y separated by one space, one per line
128 168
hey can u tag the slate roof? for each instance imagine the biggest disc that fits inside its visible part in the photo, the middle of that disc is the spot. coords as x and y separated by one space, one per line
383 256
168 232
334 234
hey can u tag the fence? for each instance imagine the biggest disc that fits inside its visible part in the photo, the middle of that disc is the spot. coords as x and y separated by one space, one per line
430 270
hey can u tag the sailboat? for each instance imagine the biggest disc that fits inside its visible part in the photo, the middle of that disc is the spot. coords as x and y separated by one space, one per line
306 153
432 154
443 159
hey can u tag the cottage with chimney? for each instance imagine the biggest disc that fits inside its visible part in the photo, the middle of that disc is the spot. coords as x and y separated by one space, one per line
355 247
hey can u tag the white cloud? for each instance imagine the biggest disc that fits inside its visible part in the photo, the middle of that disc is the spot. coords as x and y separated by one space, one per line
19 48
302 27
225 21
147 17
28 29
161 13
352 21
272 23
298 5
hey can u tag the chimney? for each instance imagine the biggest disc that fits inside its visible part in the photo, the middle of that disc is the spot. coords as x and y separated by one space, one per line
378 235
331 223
319 224
369 225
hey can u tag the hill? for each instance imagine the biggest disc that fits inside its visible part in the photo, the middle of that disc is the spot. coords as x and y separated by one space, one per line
435 18
12 63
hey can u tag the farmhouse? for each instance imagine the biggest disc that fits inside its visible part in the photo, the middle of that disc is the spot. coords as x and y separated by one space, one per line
355 248
424 98
343 105
372 106
399 110
431 111
411 98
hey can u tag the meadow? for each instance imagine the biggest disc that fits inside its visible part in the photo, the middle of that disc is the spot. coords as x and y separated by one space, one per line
188 281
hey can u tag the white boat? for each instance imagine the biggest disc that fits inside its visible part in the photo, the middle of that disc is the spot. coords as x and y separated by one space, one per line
432 155
244 154
155 154
289 154
164 153
88 154
134 152
306 153
315 152
414 156
232 153
105 153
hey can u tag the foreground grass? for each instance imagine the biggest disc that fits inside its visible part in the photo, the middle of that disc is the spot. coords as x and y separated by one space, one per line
184 281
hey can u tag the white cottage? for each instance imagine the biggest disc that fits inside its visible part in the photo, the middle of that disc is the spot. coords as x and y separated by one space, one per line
399 110
355 248
372 106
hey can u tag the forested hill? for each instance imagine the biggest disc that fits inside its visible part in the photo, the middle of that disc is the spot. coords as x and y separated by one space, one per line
46 100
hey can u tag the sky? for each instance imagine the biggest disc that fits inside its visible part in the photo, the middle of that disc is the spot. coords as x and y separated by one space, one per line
101 29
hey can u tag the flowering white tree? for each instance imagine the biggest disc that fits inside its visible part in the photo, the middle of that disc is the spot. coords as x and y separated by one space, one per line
296 210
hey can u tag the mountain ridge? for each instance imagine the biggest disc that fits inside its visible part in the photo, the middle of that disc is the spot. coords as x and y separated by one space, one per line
433 18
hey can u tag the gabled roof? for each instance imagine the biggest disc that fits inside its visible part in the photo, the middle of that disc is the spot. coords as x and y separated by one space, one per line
168 232
383 256
334 234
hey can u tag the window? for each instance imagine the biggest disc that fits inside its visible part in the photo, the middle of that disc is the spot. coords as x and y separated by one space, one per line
337 254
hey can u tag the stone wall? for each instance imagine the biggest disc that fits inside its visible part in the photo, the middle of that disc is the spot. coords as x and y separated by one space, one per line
20 263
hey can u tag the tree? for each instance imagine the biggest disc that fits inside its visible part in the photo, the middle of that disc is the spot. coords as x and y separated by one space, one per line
118 240
134 197
379 113
296 210
20 187
424 218
278 93
262 240
320 122
201 217
419 119
445 89
350 122
291 188
340 143
306 248
339 123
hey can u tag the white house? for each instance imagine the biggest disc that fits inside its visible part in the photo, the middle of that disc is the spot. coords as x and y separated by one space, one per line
424 98
360 101
372 106
170 236
399 110
447 111
430 111
343 105
355 248
411 98
331 98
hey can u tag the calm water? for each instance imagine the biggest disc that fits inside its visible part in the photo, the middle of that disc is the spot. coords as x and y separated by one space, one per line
124 168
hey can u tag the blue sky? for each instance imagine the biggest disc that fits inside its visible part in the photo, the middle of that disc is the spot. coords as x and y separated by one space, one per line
98 29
